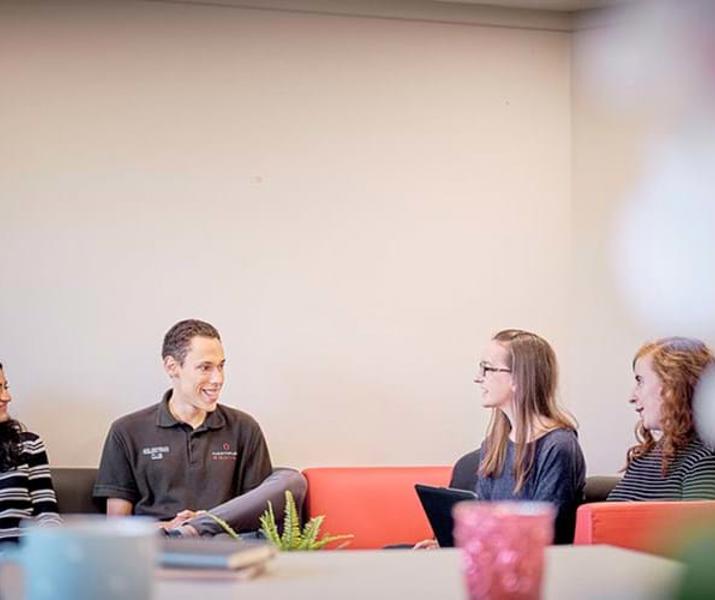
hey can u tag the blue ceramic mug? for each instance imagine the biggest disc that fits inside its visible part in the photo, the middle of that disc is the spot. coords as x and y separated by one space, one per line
88 558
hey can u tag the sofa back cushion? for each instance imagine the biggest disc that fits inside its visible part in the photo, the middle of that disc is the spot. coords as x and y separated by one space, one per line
598 487
378 505
73 487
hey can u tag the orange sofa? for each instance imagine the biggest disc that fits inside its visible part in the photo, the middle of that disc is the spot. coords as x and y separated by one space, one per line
378 505
654 527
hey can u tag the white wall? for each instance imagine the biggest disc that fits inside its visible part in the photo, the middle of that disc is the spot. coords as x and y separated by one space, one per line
357 204
614 144
609 147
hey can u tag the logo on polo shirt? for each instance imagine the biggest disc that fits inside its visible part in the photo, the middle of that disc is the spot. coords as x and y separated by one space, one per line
225 453
156 452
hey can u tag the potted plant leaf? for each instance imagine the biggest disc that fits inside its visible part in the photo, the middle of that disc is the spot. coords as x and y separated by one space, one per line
292 537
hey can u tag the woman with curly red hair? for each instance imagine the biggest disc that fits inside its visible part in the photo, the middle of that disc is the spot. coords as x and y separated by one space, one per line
670 461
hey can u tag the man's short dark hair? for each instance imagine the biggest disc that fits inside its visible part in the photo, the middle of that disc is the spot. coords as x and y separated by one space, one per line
178 339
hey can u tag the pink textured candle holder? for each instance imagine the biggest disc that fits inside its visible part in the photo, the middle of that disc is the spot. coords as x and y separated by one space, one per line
502 547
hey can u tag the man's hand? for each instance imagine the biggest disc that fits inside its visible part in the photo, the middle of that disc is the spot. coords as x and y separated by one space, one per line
182 530
178 522
426 545
179 519
182 517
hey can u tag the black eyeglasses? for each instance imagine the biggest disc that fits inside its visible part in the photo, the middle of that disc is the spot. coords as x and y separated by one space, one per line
484 368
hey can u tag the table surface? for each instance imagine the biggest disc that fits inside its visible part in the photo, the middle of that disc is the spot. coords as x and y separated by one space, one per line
584 572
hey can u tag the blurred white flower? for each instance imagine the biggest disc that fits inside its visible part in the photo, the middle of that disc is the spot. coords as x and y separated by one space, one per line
664 251
704 407
657 55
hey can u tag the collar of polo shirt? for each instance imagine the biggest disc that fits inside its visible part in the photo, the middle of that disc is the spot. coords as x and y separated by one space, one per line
164 418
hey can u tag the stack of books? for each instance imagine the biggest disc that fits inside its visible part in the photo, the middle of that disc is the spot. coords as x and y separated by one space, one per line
212 558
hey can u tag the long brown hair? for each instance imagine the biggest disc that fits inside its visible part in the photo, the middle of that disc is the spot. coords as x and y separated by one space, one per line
534 371
678 362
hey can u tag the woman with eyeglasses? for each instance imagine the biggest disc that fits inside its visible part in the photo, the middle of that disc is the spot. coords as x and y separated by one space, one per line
669 461
531 451
26 490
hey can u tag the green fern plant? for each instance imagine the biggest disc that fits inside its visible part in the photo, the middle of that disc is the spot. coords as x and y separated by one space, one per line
292 537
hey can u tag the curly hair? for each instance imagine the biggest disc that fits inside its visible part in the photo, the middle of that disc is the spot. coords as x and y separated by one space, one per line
678 362
10 443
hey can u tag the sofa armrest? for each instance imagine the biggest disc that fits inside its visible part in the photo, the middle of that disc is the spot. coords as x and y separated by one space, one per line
654 527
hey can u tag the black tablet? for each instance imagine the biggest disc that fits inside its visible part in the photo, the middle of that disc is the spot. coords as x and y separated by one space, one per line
437 503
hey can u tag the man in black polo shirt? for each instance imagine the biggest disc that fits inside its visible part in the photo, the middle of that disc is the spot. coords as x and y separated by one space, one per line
188 452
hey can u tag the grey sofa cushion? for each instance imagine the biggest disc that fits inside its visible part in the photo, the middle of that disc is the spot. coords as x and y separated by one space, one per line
73 486
598 487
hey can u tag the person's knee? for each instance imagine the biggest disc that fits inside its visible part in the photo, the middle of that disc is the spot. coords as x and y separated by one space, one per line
293 481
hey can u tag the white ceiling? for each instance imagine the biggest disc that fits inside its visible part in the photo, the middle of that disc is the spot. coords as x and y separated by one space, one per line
381 6
547 15
564 5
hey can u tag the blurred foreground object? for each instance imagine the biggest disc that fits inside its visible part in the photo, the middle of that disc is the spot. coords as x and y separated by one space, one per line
698 582
657 55
704 407
655 59
664 251
502 547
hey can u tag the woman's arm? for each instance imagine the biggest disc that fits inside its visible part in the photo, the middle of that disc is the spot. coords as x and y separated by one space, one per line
42 493
699 480
560 479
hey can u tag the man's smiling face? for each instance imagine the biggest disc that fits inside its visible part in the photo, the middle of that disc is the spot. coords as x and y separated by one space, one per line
199 379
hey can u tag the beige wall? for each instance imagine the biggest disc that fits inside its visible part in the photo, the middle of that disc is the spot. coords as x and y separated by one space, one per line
614 145
608 148
356 203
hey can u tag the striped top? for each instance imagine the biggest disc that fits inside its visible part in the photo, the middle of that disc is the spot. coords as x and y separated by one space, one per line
691 476
26 491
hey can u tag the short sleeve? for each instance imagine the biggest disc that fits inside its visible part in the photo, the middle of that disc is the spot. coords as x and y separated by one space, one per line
561 475
257 461
561 472
115 478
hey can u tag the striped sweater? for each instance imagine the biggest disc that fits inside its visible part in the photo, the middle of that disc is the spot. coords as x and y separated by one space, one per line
26 491
691 476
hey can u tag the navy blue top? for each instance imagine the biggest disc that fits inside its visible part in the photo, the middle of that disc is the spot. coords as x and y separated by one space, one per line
557 476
